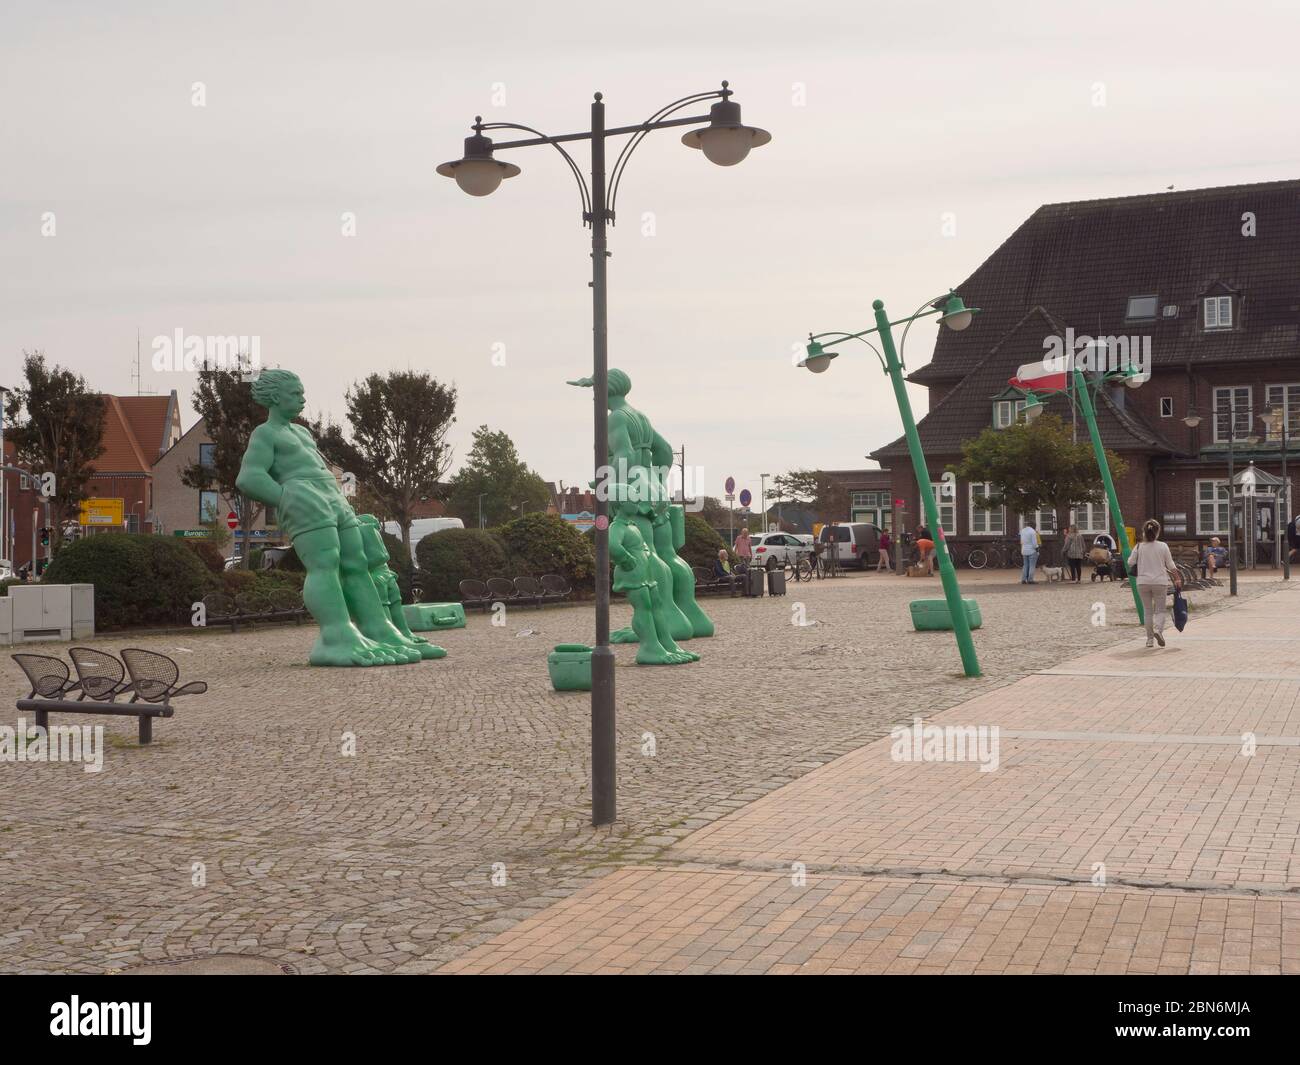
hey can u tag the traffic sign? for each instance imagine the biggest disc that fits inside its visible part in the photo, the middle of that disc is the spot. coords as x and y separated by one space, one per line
232 519
898 503
731 485
745 497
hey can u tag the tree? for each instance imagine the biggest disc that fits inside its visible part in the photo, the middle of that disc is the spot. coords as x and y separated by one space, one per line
494 470
398 450
61 433
826 497
225 402
1038 465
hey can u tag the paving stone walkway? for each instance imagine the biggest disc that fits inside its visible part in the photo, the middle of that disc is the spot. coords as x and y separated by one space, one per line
1144 817
247 830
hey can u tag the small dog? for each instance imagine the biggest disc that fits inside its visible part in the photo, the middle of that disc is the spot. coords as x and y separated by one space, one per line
1053 573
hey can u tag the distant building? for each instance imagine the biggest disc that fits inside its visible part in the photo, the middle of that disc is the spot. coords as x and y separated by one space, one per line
577 506
1206 281
137 430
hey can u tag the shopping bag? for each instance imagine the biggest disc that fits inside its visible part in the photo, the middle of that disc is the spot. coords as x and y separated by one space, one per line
1180 609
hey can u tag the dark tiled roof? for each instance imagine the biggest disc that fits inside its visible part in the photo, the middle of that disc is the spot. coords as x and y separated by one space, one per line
1085 259
967 410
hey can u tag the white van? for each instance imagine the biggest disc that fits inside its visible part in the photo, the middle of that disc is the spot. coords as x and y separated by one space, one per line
422 527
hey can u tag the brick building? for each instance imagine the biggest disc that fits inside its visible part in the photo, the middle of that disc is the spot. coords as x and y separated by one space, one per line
137 430
1208 279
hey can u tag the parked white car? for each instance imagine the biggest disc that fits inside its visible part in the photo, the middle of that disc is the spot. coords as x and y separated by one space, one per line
778 548
422 527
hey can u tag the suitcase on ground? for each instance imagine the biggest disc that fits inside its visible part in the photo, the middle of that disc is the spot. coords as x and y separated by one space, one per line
776 582
754 583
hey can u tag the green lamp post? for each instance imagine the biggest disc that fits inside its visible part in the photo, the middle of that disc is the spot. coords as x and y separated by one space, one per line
956 316
1132 378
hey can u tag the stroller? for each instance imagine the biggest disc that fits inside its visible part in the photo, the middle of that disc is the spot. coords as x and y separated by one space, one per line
1107 565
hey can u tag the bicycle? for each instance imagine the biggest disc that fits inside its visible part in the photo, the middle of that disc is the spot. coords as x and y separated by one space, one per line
801 569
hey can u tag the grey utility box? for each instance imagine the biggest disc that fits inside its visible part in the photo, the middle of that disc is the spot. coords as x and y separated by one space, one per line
52 612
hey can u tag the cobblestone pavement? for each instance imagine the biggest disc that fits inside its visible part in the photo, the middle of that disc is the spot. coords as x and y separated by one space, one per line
1143 816
245 830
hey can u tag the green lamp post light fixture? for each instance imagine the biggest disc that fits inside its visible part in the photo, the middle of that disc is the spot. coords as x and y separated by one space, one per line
1079 393
723 139
956 316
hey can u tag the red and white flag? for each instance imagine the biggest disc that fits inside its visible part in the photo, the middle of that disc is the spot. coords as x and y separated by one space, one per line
1046 375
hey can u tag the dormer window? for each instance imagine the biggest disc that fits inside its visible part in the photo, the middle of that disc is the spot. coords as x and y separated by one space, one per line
1141 309
1218 312
1006 412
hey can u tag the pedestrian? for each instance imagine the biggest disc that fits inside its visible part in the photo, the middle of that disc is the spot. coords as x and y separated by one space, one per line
1154 566
1073 548
925 544
743 551
885 544
1029 541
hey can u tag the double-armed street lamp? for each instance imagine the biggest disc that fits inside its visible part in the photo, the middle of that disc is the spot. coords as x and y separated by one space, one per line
1281 414
724 140
956 316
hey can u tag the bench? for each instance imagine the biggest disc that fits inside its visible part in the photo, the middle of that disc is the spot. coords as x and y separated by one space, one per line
150 677
283 604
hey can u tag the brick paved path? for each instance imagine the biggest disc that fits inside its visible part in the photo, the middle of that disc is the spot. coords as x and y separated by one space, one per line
1127 828
245 830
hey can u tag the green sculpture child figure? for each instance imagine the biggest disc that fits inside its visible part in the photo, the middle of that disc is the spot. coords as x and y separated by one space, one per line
283 469
632 576
390 594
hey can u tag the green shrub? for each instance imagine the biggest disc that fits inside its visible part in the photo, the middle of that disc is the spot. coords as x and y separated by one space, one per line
138 579
211 555
546 543
702 543
448 557
6 585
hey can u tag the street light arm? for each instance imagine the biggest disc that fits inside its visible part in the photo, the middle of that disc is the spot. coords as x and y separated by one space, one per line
583 190
655 121
853 336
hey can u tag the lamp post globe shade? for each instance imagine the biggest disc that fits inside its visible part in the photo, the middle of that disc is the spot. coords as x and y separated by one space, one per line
726 140
818 358
1192 418
1135 378
477 173
956 315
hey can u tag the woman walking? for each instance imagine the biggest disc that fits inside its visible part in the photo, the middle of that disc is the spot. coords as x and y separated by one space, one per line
885 544
744 552
1073 548
1154 566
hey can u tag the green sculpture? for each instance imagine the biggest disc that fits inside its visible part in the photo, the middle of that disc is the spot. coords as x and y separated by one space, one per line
640 460
635 575
283 469
386 585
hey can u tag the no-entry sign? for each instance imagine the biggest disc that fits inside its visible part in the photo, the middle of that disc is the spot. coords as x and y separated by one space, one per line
232 519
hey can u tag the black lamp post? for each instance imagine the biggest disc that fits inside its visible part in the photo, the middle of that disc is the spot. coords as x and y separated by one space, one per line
725 140
1283 544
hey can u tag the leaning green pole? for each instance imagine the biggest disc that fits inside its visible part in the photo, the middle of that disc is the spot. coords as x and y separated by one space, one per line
1121 534
951 590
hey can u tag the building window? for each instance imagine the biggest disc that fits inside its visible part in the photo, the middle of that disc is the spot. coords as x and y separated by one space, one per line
1211 507
1286 397
1218 312
986 522
1006 412
1141 309
24 483
1091 517
207 456
946 503
1166 406
133 523
868 500
208 507
1232 403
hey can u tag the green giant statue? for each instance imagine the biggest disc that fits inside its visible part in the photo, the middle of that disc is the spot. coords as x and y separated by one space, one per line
386 585
640 460
283 469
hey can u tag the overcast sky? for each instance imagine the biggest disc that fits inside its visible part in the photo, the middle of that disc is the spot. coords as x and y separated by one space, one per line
226 218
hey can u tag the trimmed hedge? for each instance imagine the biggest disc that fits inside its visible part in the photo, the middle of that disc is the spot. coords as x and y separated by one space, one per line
211 555
139 579
702 543
399 561
546 543
452 555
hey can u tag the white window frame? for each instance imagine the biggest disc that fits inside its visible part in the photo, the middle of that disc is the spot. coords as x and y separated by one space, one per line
947 508
1155 308
1220 502
1038 516
1166 406
1216 312
994 520
1235 410
1089 524
1286 395
24 483
1006 412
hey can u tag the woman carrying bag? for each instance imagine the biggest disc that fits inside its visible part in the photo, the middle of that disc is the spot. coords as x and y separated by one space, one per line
1154 566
